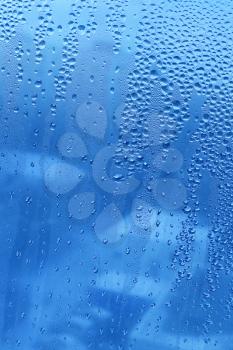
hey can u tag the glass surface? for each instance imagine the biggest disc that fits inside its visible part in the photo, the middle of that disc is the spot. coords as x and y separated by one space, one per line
116 161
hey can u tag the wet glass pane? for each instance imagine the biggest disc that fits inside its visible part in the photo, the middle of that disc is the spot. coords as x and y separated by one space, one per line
116 161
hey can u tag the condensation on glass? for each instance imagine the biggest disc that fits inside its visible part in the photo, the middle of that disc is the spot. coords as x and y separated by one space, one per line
116 163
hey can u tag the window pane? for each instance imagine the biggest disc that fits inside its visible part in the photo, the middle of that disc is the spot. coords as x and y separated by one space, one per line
115 174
